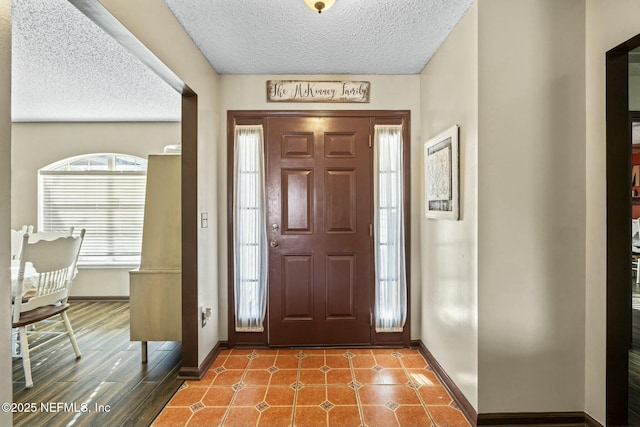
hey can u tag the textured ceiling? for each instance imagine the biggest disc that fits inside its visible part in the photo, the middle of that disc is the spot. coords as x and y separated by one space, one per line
64 68
286 37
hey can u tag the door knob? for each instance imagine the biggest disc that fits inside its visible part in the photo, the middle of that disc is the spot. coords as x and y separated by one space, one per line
274 243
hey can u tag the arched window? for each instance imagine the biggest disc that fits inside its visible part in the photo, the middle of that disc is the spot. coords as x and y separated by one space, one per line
102 193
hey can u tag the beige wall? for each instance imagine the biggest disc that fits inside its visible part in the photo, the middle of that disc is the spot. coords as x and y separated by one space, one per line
388 92
35 145
538 201
154 24
6 384
518 96
535 313
531 198
449 256
609 23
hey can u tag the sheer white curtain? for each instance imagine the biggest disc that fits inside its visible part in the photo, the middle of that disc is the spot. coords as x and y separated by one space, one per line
391 282
249 231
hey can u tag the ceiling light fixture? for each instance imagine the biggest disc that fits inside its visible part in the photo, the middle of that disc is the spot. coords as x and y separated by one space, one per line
319 6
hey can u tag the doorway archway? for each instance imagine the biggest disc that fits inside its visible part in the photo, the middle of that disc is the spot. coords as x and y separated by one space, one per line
618 164
189 186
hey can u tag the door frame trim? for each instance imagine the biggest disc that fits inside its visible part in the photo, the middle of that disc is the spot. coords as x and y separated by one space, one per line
253 117
104 19
618 197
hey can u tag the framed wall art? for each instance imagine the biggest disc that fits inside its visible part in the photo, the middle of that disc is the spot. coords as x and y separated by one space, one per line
441 175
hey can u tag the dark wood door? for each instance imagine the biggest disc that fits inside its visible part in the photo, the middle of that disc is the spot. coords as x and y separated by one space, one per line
318 220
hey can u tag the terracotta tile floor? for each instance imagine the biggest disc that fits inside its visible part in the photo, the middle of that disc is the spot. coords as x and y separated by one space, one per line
315 388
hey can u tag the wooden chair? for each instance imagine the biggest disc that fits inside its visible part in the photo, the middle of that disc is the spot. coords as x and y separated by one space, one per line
16 240
41 289
49 235
44 235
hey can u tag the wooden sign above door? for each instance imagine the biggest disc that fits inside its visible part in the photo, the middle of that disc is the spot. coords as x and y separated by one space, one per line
317 91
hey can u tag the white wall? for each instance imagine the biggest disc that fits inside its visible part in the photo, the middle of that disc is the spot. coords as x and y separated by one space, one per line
388 92
609 23
35 145
531 205
6 383
154 24
449 254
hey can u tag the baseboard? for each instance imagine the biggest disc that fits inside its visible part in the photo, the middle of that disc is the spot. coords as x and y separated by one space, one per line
538 419
457 395
589 421
198 373
100 299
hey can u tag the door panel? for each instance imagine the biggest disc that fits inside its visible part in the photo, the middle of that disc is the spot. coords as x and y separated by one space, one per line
340 145
297 145
297 287
297 188
341 286
340 209
319 212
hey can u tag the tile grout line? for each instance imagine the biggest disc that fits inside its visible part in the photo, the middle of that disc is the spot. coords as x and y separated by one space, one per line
235 390
415 390
266 389
300 356
295 391
375 360
355 386
189 406
190 416
326 387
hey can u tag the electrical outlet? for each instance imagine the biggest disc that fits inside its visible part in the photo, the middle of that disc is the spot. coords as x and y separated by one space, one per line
205 315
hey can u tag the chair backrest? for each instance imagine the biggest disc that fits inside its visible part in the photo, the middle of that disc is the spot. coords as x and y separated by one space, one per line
16 240
50 235
45 273
16 243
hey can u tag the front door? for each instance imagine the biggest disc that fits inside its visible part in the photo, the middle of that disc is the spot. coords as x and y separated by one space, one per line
318 221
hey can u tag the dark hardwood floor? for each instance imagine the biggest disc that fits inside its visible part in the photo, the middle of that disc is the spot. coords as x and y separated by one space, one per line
634 359
117 389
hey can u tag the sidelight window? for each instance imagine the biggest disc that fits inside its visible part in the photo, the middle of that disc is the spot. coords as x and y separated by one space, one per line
389 241
249 230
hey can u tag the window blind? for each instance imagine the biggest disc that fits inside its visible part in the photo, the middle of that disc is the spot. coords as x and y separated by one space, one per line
109 205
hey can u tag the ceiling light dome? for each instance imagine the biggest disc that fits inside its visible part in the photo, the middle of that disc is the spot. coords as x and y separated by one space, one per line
320 5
